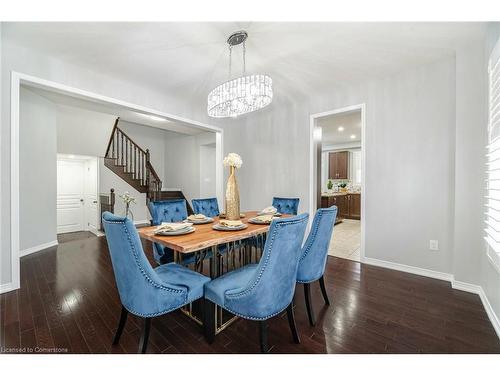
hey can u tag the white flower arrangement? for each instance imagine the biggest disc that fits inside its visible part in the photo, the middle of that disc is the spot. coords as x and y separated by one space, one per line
127 198
233 160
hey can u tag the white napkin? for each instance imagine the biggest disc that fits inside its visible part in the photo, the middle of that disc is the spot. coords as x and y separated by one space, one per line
271 210
197 217
170 227
231 223
264 218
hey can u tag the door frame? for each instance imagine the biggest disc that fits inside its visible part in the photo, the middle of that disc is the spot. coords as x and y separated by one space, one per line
314 138
18 79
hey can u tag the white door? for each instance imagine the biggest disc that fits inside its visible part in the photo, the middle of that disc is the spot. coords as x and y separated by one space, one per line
91 195
70 195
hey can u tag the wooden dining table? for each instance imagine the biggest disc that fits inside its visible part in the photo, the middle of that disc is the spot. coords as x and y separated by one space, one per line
207 243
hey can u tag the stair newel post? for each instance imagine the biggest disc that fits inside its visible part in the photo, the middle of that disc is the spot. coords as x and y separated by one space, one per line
112 200
126 153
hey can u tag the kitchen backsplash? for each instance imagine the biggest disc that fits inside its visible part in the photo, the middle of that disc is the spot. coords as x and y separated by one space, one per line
350 186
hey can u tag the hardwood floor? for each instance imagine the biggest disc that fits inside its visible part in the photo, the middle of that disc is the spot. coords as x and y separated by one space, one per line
68 302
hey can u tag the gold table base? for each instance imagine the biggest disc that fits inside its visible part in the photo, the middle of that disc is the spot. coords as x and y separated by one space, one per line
237 255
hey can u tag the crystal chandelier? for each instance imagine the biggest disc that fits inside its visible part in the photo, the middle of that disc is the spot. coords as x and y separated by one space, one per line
240 95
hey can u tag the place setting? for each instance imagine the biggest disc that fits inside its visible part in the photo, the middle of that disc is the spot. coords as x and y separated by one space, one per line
229 225
266 216
174 229
197 219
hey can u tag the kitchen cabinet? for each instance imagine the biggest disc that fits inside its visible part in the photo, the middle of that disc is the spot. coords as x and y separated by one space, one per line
354 202
348 205
338 165
342 206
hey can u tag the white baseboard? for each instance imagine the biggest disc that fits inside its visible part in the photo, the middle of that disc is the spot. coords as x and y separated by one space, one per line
34 249
4 288
409 269
477 289
495 321
466 287
459 285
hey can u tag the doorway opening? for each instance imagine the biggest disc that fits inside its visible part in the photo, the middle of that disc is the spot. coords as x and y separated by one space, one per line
337 141
37 111
77 194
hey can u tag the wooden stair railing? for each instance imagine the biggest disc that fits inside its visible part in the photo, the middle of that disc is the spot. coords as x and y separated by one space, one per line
128 160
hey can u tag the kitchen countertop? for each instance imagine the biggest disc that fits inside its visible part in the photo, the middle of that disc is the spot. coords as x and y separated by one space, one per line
339 194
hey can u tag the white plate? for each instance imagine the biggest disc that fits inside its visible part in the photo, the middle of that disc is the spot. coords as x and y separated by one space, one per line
277 214
176 232
229 229
204 221
254 220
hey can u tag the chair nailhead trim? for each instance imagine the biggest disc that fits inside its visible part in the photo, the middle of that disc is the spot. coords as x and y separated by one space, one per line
143 271
247 291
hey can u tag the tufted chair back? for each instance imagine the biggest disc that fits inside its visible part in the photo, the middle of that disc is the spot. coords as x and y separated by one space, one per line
208 207
170 211
141 291
313 259
272 286
286 205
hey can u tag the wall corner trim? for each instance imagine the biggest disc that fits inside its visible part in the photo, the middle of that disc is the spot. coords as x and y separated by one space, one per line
8 287
477 289
36 248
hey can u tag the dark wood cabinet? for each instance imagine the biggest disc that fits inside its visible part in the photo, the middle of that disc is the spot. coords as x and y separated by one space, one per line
338 163
354 206
348 205
342 206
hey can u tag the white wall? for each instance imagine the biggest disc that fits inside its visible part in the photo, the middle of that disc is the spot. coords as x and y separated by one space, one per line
207 171
83 132
409 159
37 170
182 166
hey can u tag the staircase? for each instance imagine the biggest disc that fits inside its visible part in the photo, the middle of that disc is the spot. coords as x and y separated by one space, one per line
132 163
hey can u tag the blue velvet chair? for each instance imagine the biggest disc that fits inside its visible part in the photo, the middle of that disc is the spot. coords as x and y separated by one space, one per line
314 255
169 211
286 205
208 207
261 291
144 291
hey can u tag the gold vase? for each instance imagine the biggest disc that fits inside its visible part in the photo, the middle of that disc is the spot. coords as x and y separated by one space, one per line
232 196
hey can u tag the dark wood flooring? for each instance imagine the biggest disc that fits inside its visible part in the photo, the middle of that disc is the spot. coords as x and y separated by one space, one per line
68 302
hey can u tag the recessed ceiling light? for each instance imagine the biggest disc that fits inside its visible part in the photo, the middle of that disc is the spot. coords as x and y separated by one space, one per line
353 136
340 129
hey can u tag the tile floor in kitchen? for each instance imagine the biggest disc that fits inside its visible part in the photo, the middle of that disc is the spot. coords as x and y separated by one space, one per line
346 240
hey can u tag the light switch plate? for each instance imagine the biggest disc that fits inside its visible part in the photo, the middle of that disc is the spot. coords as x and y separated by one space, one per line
434 245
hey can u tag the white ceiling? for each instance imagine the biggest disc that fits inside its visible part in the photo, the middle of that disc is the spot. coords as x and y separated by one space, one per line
189 59
350 122
115 110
